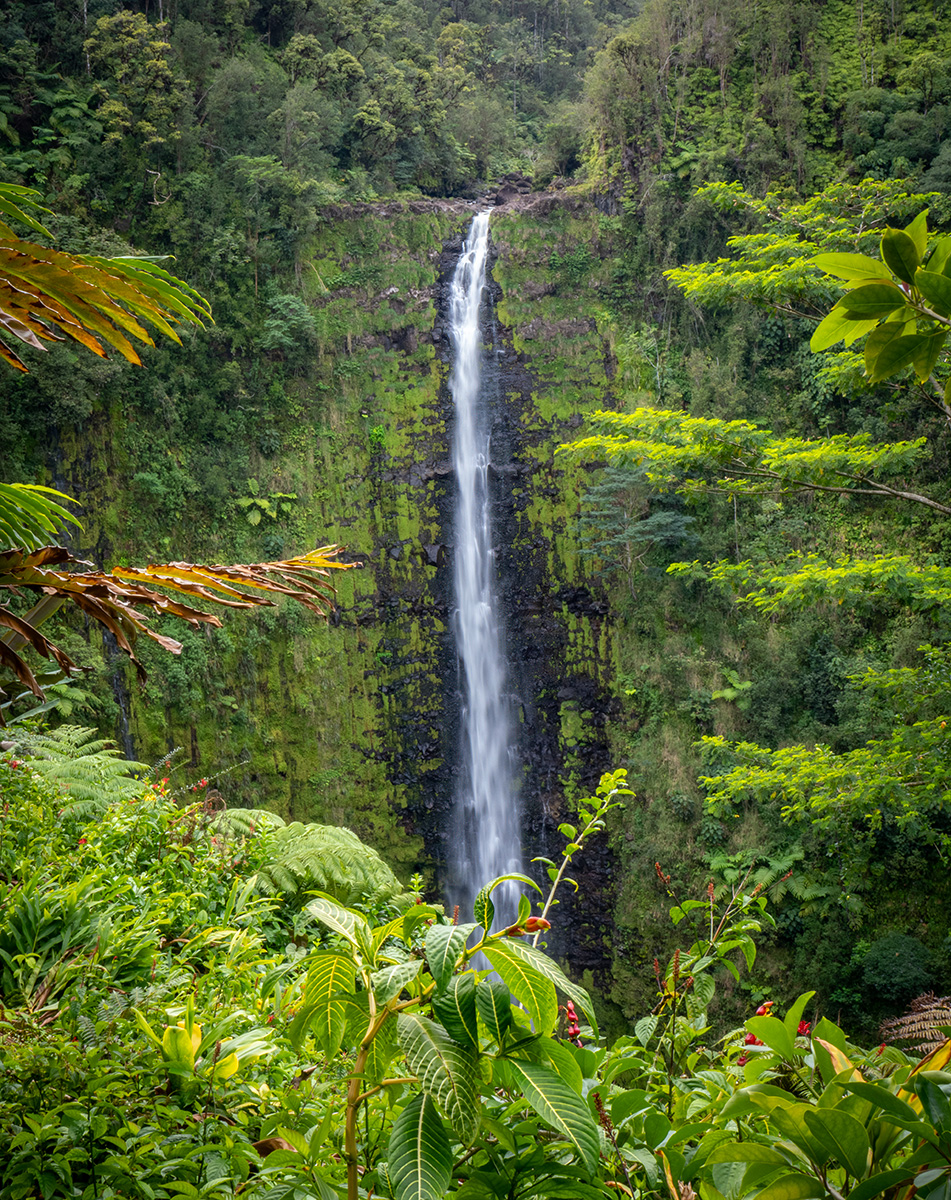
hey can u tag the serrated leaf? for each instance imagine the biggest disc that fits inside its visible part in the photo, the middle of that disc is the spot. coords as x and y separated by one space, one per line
384 1045
531 989
900 254
444 944
494 1006
545 967
445 1069
561 1108
419 1156
388 982
455 1010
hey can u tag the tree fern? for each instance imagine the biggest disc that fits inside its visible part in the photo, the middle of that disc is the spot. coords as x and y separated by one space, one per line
321 858
89 770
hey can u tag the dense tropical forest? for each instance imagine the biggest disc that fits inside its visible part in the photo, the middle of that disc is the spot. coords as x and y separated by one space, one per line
721 289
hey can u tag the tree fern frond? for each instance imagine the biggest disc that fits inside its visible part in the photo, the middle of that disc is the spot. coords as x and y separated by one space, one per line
328 859
245 822
921 1029
89 769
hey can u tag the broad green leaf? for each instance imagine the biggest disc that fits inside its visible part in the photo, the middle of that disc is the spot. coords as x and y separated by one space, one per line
560 1107
747 1152
349 925
645 1028
843 1136
794 1015
544 966
530 988
940 260
879 338
415 916
789 1120
419 1156
835 326
558 1056
851 266
384 1045
699 996
772 1032
878 1185
927 357
882 1097
483 909
934 1102
793 1187
446 1070
388 982
935 288
494 1006
455 1009
900 254
898 354
178 1048
917 230
872 300
330 979
225 1067
444 944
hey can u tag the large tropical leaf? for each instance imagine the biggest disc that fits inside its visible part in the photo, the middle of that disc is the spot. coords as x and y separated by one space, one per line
556 1102
456 1009
528 955
419 1158
444 944
330 978
446 1070
533 991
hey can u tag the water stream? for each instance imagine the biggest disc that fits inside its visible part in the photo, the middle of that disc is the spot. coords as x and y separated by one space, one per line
486 834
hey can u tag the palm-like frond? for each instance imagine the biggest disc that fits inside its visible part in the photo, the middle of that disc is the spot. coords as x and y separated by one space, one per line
116 600
45 294
90 769
30 517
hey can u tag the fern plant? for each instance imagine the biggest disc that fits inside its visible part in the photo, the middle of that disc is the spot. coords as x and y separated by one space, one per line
300 858
89 770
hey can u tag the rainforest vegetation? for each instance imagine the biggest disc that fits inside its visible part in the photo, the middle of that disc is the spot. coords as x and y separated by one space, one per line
225 967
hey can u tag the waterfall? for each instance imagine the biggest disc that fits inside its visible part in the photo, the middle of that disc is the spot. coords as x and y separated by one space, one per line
486 835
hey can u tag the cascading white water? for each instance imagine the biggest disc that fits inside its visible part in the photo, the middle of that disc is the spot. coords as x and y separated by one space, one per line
486 834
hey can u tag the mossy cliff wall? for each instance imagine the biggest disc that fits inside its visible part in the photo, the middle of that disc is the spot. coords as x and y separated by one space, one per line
355 722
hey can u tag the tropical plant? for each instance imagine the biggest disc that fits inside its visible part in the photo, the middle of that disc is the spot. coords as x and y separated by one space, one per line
46 294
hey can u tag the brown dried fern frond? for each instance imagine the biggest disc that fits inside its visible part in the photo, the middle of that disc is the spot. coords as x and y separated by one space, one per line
918 1031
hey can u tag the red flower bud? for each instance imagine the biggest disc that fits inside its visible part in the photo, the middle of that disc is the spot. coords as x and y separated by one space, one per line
536 924
742 1060
752 1040
763 1010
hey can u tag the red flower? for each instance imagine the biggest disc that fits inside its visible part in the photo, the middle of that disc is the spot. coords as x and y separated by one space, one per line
804 1028
763 1010
535 924
82 841
881 1050
742 1060
752 1040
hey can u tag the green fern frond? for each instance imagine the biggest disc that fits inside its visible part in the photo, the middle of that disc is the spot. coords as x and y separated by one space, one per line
327 859
88 769
246 822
